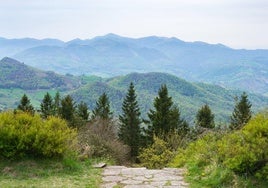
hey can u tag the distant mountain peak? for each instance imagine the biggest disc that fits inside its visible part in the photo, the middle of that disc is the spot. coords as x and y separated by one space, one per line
9 60
111 35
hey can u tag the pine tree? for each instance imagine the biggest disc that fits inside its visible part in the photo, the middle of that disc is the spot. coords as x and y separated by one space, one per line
82 110
67 109
242 112
56 104
205 118
47 106
102 109
25 105
165 118
129 128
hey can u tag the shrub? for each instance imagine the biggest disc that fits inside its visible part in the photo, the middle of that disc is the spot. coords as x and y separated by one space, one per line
55 138
245 151
24 135
201 152
99 139
157 155
218 159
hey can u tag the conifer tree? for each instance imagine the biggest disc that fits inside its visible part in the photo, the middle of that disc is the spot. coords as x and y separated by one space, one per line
102 109
47 106
165 118
205 118
242 112
25 105
82 110
56 104
129 127
67 109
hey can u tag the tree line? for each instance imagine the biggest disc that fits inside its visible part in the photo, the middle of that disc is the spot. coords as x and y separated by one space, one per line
164 118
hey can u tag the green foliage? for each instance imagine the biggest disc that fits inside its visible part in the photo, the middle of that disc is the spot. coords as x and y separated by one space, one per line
165 118
205 118
102 109
197 152
82 111
224 159
22 135
245 151
67 109
55 138
157 155
56 104
25 105
47 106
129 127
242 113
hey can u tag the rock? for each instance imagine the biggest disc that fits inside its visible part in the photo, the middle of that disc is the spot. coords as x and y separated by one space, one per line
99 165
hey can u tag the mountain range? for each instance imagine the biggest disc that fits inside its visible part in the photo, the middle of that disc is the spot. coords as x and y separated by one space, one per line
17 78
113 55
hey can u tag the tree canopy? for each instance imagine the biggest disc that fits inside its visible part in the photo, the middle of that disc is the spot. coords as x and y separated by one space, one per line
242 112
102 109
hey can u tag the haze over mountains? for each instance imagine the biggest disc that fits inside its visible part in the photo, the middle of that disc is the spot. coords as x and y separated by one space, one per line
113 55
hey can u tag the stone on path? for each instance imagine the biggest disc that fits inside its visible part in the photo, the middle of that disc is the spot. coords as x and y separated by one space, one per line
99 165
123 177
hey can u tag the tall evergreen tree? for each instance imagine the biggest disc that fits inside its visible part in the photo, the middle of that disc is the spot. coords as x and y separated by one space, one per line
67 109
102 109
129 128
165 118
47 106
205 118
56 104
242 112
25 105
82 110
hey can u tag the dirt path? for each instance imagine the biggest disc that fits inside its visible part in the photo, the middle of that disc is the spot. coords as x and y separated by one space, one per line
123 177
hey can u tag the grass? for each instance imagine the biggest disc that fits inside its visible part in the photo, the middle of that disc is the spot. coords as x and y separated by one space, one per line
217 176
49 173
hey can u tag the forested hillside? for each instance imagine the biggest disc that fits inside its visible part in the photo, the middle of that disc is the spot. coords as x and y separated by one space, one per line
14 74
188 96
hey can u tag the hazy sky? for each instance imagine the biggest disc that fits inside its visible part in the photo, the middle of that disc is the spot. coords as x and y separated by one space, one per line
236 23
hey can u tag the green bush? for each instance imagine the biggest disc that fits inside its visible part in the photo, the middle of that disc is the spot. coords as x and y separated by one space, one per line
246 151
230 159
24 135
201 152
158 155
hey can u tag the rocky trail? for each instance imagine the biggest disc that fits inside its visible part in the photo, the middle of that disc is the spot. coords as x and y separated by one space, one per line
124 177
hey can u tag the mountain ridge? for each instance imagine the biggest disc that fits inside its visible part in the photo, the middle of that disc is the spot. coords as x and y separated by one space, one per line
112 55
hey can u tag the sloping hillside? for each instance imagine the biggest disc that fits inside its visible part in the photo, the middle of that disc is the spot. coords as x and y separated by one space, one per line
188 96
14 74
